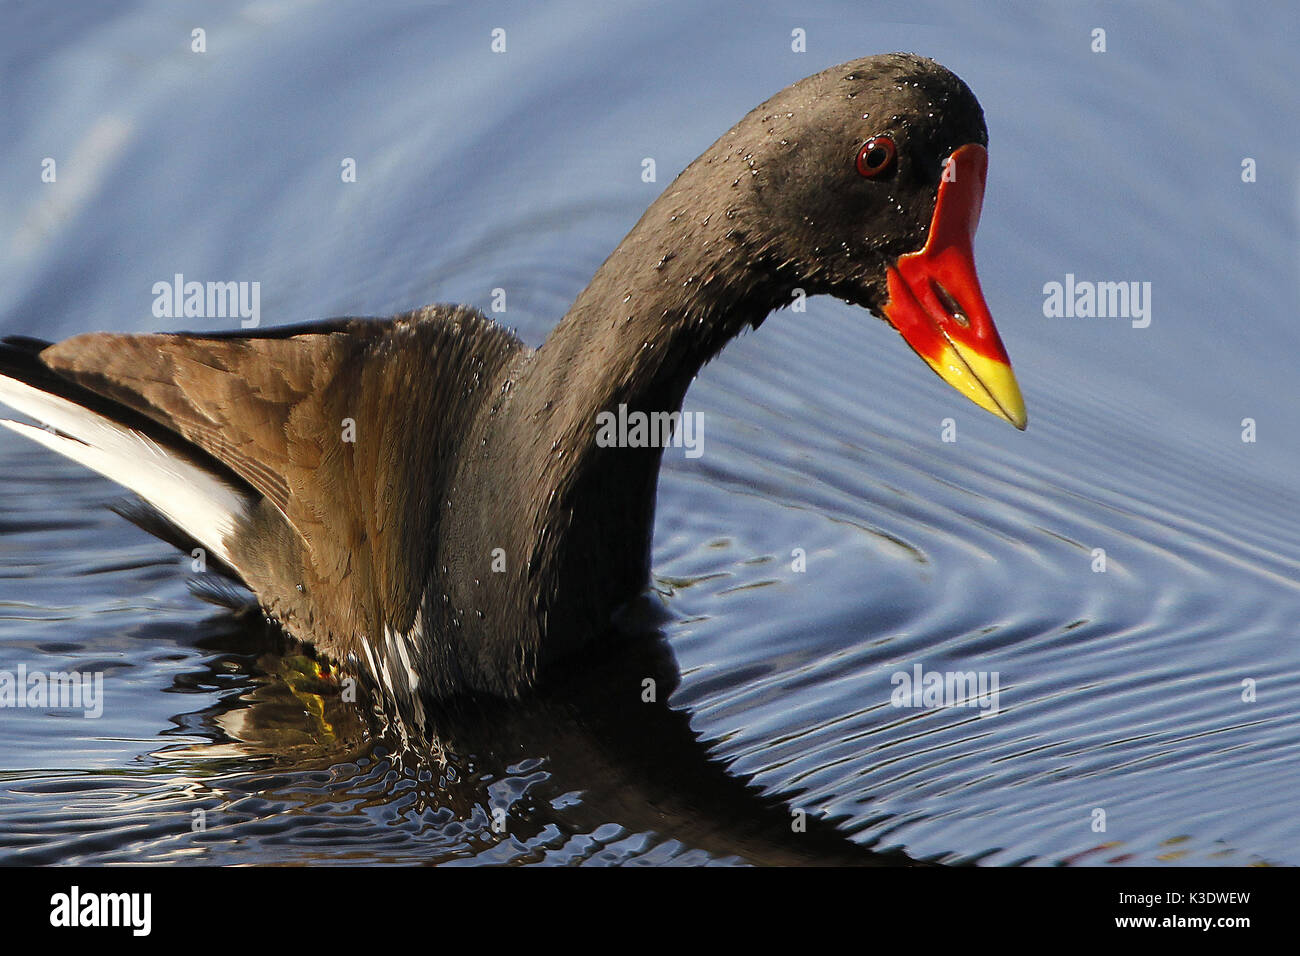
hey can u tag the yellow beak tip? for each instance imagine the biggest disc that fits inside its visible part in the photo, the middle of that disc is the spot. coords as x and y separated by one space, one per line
987 382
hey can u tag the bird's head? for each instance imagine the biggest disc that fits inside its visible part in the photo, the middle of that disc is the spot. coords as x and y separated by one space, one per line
867 181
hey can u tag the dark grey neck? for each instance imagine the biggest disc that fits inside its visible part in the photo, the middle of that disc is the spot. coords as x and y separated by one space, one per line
681 285
573 518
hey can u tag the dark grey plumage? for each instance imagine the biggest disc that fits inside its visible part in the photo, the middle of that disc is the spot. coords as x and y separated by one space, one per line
472 529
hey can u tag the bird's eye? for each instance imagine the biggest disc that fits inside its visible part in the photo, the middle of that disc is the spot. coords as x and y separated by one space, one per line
876 156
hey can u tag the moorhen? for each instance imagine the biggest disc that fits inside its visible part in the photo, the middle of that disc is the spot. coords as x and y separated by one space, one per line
424 498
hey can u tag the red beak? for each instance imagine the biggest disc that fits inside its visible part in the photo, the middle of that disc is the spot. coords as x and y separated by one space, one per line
935 299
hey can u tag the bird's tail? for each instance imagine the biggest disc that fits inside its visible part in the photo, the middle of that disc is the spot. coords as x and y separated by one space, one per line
187 487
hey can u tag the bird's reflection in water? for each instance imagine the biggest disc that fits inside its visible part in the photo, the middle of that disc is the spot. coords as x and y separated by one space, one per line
586 768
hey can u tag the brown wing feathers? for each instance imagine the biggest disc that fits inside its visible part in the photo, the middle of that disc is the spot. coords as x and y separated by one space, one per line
347 430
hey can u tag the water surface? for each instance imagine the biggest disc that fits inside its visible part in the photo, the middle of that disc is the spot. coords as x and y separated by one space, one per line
1119 691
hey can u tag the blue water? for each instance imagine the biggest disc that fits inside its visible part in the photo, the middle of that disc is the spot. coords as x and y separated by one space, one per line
1120 691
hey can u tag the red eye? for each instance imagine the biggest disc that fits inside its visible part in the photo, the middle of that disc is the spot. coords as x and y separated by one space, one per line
875 156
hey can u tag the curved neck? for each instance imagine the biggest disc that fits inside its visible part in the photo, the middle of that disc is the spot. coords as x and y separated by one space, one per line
571 516
670 296
680 285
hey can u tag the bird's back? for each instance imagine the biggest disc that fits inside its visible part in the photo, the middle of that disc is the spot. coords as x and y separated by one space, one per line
335 439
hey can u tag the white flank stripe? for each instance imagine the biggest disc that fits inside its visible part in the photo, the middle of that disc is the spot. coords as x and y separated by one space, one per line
411 679
370 659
